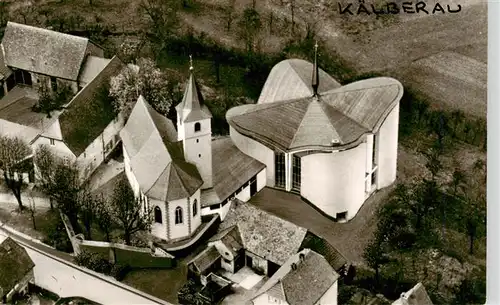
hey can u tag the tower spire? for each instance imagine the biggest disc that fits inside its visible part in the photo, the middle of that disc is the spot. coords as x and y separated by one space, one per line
315 76
191 63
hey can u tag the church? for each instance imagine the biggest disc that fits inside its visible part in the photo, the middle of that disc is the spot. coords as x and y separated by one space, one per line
333 145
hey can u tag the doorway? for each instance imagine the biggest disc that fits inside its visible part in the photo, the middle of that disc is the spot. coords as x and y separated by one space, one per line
249 261
253 187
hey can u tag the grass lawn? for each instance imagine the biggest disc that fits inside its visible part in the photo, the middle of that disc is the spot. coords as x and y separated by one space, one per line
22 222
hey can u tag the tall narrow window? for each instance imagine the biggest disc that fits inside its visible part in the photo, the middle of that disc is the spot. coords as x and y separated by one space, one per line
52 142
374 150
195 207
296 173
197 126
157 214
178 215
279 168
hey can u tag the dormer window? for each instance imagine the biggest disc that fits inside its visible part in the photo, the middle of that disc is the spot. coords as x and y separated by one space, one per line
197 127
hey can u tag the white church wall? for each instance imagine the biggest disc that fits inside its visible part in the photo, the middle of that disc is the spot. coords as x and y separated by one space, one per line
195 220
334 182
159 229
198 150
134 184
255 150
388 149
180 230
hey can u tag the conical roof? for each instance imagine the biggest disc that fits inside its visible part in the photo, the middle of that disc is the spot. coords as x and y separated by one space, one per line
332 118
192 107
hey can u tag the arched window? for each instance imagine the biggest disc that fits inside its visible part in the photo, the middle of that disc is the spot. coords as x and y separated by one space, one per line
158 215
197 126
178 215
195 207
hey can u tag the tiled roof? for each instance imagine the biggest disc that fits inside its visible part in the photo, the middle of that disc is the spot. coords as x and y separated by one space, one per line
91 68
15 263
44 51
301 281
156 160
264 234
87 115
205 259
21 112
340 116
231 169
25 133
415 296
329 252
192 107
291 79
231 238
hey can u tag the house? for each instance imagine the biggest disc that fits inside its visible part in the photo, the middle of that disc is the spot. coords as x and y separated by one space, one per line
16 270
305 279
32 56
415 296
251 237
334 145
86 129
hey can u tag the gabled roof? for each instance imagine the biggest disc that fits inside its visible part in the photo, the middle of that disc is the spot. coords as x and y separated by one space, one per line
26 133
156 156
91 68
15 263
415 296
205 259
192 107
231 238
44 51
301 281
87 114
264 234
231 169
295 119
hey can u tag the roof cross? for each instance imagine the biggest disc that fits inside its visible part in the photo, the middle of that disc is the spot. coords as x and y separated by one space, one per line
191 63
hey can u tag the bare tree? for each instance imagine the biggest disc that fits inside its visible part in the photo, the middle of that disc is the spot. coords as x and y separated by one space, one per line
46 164
250 26
89 207
128 212
14 154
32 204
103 217
163 20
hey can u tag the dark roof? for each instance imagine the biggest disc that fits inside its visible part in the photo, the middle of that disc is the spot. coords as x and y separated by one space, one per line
89 112
192 107
44 51
231 238
231 169
329 252
415 296
301 281
264 234
205 259
340 116
156 157
15 263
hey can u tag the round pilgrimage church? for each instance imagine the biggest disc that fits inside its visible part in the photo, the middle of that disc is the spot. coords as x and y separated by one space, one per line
334 145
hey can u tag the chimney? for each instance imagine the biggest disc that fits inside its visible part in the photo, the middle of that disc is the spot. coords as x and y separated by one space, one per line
302 257
294 266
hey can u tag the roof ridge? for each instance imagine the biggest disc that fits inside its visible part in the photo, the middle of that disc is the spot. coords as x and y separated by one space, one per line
302 121
175 166
267 106
158 178
325 104
298 74
41 29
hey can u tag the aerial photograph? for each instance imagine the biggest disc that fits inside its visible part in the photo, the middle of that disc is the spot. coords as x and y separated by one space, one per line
243 152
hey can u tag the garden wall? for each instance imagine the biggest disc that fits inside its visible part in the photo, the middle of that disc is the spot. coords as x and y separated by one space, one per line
127 255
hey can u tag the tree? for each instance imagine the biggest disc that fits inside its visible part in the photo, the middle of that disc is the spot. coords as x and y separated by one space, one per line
250 26
127 211
65 190
46 163
374 257
32 204
14 153
163 19
160 90
89 207
229 14
103 218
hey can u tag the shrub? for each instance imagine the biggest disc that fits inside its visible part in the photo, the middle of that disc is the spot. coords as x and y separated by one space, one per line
56 235
94 262
120 271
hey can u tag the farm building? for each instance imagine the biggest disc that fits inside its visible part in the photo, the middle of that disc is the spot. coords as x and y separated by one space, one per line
334 145
305 279
85 129
16 270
